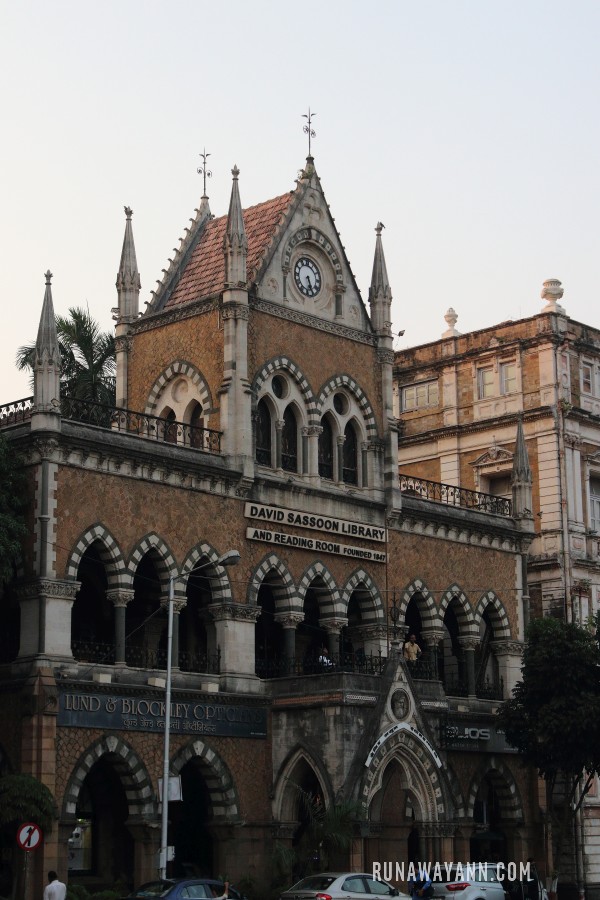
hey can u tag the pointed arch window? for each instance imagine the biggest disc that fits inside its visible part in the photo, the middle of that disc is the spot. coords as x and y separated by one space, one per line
326 449
170 432
197 427
289 441
263 434
350 455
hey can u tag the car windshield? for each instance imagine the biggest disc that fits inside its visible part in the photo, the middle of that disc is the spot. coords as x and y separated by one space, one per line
314 883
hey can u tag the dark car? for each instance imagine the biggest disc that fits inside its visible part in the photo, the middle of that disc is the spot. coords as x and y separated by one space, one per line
184 889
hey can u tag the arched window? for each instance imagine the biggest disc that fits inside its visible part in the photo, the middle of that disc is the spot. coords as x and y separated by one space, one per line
170 433
289 441
326 449
197 427
350 456
263 434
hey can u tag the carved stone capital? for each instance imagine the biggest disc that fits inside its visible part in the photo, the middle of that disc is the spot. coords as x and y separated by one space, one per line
507 648
468 642
385 357
46 587
289 619
315 429
222 612
432 636
45 447
120 597
333 625
123 343
235 311
372 632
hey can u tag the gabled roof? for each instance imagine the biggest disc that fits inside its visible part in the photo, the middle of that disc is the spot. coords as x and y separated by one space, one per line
204 273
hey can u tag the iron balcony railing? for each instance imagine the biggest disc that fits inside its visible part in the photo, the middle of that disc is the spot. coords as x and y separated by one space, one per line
15 412
358 664
143 658
454 496
118 419
426 669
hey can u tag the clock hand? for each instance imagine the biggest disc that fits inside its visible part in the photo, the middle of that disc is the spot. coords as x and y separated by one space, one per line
308 283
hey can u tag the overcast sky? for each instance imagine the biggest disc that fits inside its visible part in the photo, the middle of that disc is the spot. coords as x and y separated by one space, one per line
470 128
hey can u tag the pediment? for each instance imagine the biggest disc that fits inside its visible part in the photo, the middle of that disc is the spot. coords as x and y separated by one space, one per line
492 457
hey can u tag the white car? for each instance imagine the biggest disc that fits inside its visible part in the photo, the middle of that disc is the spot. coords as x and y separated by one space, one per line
469 881
342 886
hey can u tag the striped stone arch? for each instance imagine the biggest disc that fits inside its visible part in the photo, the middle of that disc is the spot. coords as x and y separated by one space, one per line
166 565
420 769
352 386
219 780
110 554
497 613
374 613
276 365
284 591
285 782
504 784
217 575
466 620
176 369
128 766
329 605
427 608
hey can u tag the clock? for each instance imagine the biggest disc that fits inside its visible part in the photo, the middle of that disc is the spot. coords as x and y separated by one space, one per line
307 277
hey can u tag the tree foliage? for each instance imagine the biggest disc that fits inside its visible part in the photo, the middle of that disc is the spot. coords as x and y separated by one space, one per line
13 487
25 799
87 358
553 717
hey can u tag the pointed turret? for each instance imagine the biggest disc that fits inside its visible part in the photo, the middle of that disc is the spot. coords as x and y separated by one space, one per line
235 243
128 277
522 478
46 368
380 293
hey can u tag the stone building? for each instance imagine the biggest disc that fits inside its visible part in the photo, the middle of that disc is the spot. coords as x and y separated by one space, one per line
460 398
254 413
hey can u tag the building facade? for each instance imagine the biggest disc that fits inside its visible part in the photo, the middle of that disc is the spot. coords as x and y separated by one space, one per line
254 413
459 399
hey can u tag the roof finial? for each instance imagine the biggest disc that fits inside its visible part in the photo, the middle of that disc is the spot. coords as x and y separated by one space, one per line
204 171
48 276
128 212
308 129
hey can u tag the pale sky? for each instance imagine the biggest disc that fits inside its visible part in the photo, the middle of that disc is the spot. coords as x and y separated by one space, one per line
470 128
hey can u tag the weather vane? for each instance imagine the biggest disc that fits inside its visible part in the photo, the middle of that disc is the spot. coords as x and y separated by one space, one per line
204 170
308 129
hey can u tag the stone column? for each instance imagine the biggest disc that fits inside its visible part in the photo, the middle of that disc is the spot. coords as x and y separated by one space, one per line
339 461
120 597
46 617
235 628
305 462
289 622
432 637
333 628
468 645
508 654
364 450
278 430
313 432
375 638
178 605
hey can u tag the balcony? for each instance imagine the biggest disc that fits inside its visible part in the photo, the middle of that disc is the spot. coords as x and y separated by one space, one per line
137 657
452 495
426 670
115 418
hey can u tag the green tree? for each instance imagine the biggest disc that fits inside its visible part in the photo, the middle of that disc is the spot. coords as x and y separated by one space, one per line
25 799
553 717
87 358
12 502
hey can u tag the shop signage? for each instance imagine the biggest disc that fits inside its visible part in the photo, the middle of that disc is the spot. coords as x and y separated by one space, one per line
318 546
334 528
138 713
475 736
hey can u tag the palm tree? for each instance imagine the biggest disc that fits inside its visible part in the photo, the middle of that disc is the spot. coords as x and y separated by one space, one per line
88 364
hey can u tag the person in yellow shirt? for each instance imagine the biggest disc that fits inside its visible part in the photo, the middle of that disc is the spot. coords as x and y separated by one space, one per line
412 651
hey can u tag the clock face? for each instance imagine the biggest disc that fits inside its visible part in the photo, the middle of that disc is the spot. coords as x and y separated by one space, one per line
307 277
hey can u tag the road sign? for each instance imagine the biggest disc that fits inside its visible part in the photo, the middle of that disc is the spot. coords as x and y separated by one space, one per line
29 836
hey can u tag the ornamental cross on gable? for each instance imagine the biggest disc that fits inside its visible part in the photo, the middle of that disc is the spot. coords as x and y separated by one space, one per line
204 170
308 129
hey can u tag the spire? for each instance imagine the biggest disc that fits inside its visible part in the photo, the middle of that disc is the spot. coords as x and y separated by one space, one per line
235 244
522 478
380 293
46 369
128 277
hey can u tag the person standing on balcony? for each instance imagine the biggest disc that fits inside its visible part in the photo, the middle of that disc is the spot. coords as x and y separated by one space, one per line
412 651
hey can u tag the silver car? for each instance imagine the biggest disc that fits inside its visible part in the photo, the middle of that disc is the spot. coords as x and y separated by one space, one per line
469 881
342 886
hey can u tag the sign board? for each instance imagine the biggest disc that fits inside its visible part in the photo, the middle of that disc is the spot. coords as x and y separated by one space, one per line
29 836
474 735
147 713
331 526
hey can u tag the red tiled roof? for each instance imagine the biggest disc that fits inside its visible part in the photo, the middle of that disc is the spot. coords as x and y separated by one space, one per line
205 272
